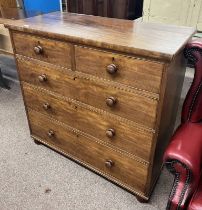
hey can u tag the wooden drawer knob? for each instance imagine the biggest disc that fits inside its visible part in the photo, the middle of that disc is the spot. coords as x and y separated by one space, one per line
110 133
112 69
38 50
51 133
111 101
109 163
46 106
42 78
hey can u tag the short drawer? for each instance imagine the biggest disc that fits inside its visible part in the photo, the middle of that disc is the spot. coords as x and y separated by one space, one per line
48 50
126 137
124 103
113 164
138 73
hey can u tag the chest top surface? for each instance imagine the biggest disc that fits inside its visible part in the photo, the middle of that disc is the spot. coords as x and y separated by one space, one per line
134 37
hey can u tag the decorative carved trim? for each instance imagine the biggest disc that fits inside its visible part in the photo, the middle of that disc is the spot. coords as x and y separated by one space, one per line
117 53
41 63
93 109
90 137
170 166
137 91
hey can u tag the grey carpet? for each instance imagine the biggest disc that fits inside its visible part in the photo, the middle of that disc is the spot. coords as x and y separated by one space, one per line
34 177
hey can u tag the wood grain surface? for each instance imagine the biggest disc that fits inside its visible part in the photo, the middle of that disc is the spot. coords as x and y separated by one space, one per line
171 91
125 169
128 138
126 36
102 91
138 73
53 51
134 107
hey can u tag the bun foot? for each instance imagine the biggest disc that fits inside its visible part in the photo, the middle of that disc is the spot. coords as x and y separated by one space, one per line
141 200
37 142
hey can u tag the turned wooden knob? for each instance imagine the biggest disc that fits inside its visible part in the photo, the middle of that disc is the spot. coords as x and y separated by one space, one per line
46 106
51 133
38 50
42 78
109 163
112 68
111 101
110 133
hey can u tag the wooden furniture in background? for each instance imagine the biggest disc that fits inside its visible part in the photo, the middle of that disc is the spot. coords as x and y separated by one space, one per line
101 91
8 3
5 44
124 9
5 15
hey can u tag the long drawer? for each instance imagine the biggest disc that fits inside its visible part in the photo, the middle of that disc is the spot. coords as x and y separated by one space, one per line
48 50
142 74
105 96
108 162
116 133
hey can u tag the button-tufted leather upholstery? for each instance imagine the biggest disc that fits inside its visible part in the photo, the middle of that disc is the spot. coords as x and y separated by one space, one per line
195 202
183 157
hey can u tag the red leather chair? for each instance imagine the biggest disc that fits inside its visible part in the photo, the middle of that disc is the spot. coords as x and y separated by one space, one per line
183 156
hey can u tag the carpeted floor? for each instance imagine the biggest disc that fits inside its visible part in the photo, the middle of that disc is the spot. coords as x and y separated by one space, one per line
36 178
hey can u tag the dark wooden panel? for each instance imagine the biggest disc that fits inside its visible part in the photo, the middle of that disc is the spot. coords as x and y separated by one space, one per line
124 9
171 91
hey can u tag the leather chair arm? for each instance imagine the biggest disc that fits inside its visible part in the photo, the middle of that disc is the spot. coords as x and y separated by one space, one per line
183 158
192 105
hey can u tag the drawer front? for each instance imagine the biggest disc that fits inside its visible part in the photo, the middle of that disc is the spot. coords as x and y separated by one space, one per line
48 50
123 103
104 159
116 133
142 74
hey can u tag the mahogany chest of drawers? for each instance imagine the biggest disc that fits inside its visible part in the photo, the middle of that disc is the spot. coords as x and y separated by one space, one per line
104 92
